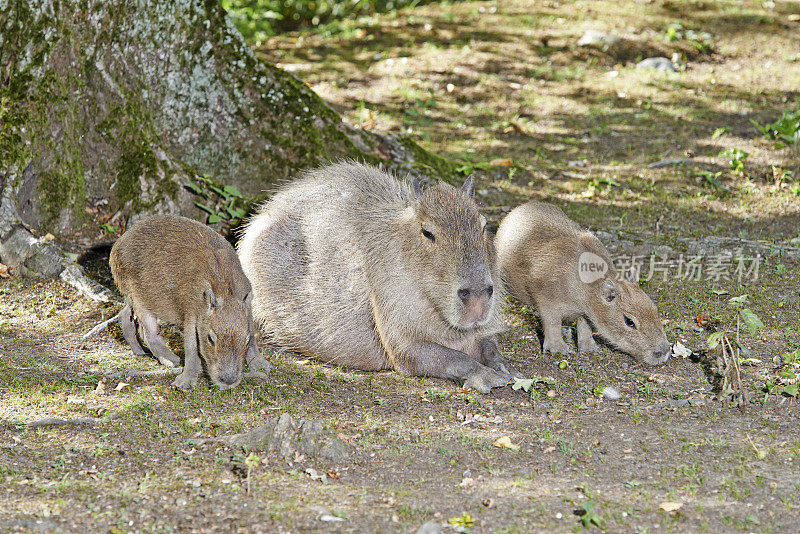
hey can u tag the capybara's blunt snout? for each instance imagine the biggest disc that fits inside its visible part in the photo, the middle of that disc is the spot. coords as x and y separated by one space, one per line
660 354
477 301
228 376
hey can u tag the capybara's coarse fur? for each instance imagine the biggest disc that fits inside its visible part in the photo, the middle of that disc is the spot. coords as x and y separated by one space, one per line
178 271
541 252
354 267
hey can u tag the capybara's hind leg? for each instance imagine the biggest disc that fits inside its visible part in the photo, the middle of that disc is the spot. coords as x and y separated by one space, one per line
154 340
128 327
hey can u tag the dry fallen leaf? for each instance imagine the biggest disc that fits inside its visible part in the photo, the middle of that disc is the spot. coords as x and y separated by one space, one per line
4 271
501 162
505 443
679 349
670 506
121 385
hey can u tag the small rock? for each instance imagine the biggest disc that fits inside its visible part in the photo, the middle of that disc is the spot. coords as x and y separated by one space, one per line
551 393
595 37
330 518
286 436
73 275
657 63
795 242
605 236
590 402
47 261
467 482
430 528
611 393
17 247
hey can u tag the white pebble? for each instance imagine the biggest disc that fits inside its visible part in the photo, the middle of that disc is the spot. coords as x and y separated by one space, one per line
611 393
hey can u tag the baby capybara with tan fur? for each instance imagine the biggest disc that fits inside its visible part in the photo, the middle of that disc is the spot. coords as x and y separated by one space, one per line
178 271
550 262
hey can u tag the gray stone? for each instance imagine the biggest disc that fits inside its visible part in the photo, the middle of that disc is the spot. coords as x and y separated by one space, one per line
284 435
17 247
430 527
606 236
74 275
31 256
795 242
47 261
611 393
657 63
9 218
595 37
734 246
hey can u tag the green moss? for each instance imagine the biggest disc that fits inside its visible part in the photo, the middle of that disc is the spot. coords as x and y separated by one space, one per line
137 159
12 149
430 164
131 127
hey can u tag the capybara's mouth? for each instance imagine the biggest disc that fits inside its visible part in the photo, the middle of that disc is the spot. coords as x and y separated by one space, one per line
656 359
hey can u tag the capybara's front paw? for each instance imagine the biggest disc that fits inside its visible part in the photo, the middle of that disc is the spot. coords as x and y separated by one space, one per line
260 365
484 379
588 346
185 381
557 347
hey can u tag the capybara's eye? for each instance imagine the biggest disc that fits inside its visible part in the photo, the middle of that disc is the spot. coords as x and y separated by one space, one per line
429 235
211 341
629 322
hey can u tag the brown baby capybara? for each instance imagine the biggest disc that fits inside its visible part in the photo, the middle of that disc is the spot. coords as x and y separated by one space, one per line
178 271
550 262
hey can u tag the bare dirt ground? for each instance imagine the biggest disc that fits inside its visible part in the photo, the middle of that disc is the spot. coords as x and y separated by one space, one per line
478 82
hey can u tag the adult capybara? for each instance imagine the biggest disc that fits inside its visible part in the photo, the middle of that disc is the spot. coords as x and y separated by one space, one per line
354 267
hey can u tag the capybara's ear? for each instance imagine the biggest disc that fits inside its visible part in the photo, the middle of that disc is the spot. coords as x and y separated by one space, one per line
417 188
211 300
469 186
609 290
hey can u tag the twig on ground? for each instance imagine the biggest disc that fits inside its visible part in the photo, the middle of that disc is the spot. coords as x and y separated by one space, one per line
135 372
55 421
255 375
100 327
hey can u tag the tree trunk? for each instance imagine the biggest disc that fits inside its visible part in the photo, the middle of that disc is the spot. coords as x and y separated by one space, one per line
109 108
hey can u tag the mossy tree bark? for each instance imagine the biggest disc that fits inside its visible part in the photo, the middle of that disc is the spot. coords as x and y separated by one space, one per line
113 106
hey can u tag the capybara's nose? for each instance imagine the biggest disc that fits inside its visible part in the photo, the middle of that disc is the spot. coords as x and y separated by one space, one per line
229 377
662 350
466 294
660 354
